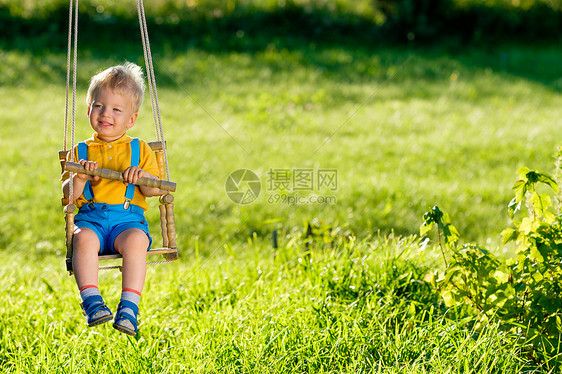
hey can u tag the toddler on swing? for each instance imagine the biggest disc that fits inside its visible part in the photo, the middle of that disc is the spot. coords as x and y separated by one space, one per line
111 213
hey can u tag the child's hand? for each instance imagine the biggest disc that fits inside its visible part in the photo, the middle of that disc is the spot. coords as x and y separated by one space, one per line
88 165
133 173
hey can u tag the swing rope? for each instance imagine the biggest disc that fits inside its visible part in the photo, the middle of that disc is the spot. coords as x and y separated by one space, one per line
152 82
74 52
67 74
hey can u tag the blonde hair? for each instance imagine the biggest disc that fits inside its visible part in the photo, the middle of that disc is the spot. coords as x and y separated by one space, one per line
122 79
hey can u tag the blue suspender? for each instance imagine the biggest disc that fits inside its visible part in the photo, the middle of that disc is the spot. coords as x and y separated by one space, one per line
135 156
130 191
83 155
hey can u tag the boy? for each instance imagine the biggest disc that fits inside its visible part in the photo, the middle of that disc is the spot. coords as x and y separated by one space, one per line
111 213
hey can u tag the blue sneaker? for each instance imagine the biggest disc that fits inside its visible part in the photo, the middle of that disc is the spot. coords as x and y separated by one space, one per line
96 311
125 322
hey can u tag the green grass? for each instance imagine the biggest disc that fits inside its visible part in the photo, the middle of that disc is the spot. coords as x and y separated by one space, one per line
406 129
340 310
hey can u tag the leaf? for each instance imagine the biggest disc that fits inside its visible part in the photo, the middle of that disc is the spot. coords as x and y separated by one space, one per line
540 202
501 276
518 184
448 298
520 188
429 218
537 276
509 235
430 278
549 217
523 171
536 254
510 262
548 180
437 211
451 234
451 272
425 228
528 224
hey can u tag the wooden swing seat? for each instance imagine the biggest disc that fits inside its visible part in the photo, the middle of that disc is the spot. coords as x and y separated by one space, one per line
169 250
158 251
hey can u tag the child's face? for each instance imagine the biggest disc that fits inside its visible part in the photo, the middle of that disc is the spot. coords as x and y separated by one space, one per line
111 114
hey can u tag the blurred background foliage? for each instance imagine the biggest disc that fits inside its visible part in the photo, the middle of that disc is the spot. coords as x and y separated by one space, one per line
254 24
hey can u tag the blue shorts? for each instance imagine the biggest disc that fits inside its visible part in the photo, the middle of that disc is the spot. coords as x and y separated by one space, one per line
110 220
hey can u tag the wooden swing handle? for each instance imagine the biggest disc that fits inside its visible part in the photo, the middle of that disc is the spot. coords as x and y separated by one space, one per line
115 175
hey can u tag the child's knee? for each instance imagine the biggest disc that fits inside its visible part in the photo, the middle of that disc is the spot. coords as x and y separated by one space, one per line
131 239
85 239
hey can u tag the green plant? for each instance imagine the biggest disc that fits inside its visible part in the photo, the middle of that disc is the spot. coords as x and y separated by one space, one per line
471 272
523 293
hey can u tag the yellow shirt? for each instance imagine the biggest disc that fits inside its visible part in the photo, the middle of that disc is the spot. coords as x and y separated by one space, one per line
115 155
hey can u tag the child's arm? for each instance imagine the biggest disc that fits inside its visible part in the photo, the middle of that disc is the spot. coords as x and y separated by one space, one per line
79 180
133 173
